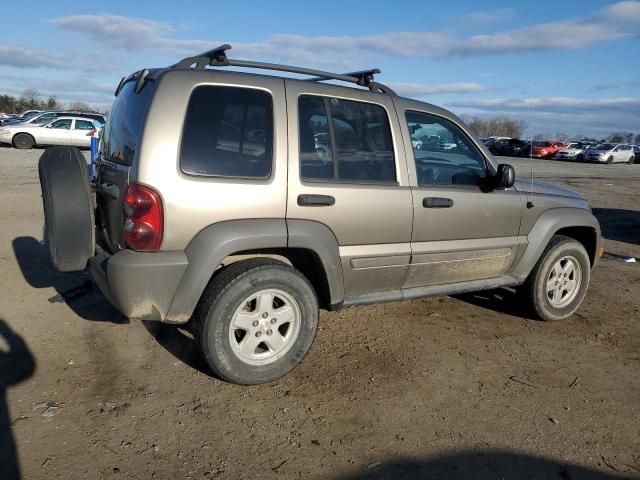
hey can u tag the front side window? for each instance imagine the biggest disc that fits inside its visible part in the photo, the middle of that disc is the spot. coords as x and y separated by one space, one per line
344 140
228 132
446 155
62 124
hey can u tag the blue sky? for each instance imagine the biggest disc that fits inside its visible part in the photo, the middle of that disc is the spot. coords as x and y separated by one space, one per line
581 58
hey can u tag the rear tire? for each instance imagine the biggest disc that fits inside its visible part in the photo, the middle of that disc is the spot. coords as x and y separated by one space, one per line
558 283
631 160
256 321
23 141
69 228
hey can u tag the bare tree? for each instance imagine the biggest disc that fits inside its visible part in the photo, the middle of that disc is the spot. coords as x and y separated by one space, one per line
79 106
497 127
29 100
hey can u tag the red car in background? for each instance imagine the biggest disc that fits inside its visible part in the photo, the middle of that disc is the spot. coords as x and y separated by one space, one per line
546 149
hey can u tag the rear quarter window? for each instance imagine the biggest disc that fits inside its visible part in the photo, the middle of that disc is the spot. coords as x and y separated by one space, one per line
228 132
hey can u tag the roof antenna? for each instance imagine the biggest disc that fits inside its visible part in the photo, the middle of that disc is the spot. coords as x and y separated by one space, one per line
530 201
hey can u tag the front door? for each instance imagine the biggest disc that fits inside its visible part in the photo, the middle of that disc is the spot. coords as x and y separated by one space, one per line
347 171
462 231
58 132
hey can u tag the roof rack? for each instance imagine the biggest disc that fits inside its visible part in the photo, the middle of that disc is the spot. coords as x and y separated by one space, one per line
217 57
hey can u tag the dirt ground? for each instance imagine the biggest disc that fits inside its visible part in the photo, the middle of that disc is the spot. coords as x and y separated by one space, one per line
440 388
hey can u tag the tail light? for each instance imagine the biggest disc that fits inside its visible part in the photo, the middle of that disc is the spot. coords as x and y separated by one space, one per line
143 219
91 132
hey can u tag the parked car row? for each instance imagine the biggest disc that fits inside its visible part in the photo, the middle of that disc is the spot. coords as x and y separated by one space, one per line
51 128
578 151
74 131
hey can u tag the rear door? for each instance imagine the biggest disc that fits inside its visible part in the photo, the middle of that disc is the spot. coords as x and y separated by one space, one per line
346 152
118 147
82 132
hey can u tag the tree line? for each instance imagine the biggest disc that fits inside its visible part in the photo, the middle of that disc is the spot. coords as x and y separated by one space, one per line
32 100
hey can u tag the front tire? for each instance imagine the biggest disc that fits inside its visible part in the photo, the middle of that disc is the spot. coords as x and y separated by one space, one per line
256 321
610 160
559 281
23 141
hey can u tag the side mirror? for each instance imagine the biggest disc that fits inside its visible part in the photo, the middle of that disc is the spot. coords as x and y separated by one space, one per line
505 176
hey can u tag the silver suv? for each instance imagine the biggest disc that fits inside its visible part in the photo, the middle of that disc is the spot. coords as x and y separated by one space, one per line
244 203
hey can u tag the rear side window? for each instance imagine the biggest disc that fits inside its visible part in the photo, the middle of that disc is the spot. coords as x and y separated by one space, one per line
121 133
344 140
84 125
228 132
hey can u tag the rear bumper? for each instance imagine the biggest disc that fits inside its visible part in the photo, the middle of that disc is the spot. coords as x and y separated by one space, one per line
140 285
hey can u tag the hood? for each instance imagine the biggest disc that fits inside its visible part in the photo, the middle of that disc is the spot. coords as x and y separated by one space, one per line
22 125
546 188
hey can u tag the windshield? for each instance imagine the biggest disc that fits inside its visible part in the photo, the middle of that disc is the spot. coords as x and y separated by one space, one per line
604 146
43 119
541 144
29 115
574 145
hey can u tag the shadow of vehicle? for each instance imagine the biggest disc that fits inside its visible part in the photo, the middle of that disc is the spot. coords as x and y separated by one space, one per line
619 225
490 465
16 365
178 340
501 300
39 272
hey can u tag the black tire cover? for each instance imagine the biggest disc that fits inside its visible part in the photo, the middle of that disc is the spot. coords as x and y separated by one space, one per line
68 208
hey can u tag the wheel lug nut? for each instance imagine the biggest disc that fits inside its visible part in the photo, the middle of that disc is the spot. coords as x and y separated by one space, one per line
258 334
255 323
274 320
265 315
269 332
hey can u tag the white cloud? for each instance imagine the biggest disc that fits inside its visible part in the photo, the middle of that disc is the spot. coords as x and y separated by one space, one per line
591 116
74 88
633 84
612 23
627 11
128 33
21 56
422 90
487 18
552 104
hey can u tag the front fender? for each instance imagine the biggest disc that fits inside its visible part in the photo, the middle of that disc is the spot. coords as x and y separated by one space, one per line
547 225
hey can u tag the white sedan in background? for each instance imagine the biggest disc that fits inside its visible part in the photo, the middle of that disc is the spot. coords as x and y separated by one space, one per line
574 151
75 131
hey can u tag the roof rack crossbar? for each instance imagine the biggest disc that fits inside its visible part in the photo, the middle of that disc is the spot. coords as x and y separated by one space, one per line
364 77
217 57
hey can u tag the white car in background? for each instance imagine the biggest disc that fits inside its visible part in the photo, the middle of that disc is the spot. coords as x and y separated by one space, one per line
610 153
74 131
574 151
